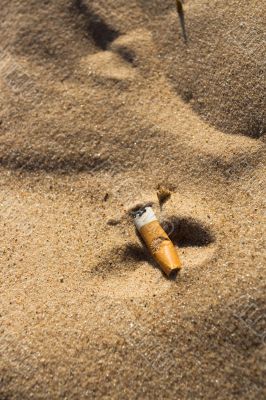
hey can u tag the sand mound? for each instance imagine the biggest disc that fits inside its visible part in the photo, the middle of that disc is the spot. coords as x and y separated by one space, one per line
101 102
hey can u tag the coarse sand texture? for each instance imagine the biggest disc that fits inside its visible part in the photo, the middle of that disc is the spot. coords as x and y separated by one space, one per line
103 105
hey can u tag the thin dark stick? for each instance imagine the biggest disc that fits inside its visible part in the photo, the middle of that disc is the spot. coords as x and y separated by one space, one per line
181 14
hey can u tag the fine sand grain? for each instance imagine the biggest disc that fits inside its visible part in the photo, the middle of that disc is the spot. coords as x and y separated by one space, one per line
101 103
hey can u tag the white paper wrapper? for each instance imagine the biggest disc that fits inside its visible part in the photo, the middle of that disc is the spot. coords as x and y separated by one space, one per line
143 217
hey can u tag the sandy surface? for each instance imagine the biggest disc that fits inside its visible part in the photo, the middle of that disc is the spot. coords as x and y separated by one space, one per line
101 102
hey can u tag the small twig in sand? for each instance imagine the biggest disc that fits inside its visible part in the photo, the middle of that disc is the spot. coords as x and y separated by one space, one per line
181 14
163 195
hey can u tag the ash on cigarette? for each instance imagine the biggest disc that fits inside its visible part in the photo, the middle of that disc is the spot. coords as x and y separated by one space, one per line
139 208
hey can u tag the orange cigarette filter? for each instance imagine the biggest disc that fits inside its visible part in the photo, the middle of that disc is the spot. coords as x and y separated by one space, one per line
157 240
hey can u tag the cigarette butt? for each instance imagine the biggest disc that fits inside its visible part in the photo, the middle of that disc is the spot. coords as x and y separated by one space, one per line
157 240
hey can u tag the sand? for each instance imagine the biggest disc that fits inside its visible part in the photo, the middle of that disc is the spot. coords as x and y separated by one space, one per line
101 102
